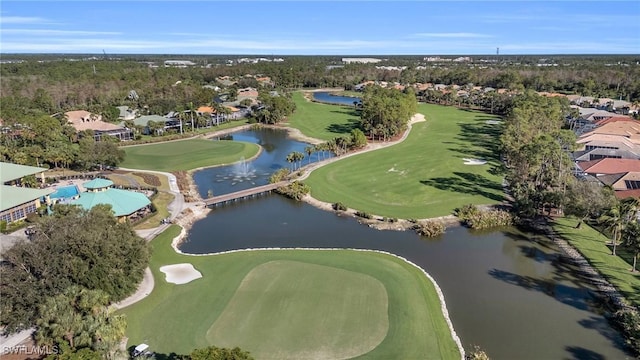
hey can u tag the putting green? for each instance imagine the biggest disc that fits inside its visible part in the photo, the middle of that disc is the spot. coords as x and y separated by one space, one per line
302 304
272 316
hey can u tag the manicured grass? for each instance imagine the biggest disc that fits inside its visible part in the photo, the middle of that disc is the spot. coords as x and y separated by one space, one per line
329 312
425 175
295 304
322 121
187 154
593 246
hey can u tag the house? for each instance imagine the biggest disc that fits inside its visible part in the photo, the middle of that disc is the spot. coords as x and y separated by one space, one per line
16 201
626 129
601 153
143 123
609 166
593 115
125 204
247 93
82 120
178 63
126 113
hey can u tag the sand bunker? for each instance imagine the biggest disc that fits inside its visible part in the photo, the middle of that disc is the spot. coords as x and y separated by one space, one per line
493 122
468 161
180 273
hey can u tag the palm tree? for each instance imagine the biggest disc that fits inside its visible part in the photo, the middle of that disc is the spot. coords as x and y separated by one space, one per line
290 159
614 222
631 236
191 108
298 157
309 150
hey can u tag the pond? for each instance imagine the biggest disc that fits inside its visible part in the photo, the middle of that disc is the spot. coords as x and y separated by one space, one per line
329 98
276 145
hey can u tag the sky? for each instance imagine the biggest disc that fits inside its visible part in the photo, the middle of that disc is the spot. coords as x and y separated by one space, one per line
320 27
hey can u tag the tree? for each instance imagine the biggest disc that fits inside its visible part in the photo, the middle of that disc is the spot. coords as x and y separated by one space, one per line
81 319
631 239
216 353
358 139
86 248
586 199
613 221
309 150
386 111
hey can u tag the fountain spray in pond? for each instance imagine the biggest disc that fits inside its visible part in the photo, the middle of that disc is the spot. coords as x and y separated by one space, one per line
240 172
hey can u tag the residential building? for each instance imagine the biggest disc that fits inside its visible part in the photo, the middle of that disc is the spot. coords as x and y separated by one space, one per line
82 120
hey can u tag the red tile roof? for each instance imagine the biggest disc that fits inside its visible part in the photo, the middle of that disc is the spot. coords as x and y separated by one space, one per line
610 166
613 119
623 194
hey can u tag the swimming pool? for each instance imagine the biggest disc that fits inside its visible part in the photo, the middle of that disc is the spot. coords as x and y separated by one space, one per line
65 192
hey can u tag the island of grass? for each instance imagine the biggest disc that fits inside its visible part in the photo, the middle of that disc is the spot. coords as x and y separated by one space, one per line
425 176
322 121
187 154
293 304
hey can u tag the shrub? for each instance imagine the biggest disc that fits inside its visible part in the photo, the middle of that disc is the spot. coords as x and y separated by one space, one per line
476 354
296 190
628 320
363 214
393 220
339 207
466 211
430 228
475 218
279 175
413 221
3 225
32 217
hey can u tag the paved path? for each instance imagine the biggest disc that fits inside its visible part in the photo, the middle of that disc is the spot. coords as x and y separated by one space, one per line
144 289
175 208
8 342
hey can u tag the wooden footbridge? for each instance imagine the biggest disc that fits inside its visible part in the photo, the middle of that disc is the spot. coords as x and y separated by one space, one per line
244 194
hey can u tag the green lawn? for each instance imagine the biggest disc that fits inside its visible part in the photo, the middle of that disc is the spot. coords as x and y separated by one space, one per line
293 304
425 175
322 121
593 246
186 154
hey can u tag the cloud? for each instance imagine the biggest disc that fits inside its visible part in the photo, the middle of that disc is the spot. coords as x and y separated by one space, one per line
456 35
23 20
48 32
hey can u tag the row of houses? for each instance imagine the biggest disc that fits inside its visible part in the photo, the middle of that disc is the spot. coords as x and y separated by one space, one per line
609 152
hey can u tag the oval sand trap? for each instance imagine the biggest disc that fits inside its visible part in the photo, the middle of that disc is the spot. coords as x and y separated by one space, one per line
180 273
293 310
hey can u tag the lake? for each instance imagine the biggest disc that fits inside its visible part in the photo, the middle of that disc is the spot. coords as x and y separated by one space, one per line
327 97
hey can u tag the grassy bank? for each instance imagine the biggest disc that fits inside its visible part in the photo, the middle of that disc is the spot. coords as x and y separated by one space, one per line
593 246
424 176
329 303
322 121
186 154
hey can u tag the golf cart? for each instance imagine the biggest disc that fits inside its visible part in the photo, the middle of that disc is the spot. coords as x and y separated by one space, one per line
141 350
